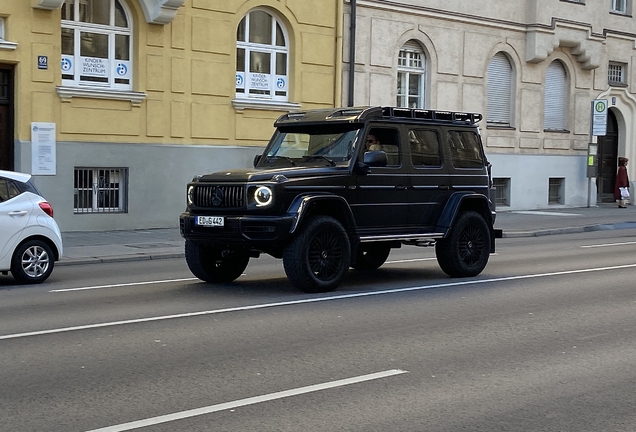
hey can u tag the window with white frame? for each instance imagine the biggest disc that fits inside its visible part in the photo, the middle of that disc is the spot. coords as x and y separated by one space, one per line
619 6
96 44
100 190
555 107
499 93
411 76
262 58
616 73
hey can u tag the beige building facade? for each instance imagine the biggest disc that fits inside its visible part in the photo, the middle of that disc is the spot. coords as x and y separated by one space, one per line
532 67
114 105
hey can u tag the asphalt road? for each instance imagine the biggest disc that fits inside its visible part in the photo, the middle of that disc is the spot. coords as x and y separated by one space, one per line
543 340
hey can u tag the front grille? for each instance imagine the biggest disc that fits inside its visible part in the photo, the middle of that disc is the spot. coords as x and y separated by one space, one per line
217 196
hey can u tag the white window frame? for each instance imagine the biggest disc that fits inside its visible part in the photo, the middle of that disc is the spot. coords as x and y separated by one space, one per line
99 197
555 100
620 6
115 69
4 44
617 73
500 107
411 65
275 85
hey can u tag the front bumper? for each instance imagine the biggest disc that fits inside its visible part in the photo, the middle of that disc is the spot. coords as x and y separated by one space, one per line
246 231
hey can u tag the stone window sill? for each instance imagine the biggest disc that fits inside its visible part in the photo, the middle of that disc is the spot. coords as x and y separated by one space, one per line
67 93
241 104
6 45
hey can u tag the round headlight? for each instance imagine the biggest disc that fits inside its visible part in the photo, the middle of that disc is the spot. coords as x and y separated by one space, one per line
263 196
190 195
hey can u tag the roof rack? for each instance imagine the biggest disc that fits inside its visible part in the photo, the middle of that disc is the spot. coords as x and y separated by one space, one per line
420 114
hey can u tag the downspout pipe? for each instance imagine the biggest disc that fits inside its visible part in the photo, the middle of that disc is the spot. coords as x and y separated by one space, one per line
352 51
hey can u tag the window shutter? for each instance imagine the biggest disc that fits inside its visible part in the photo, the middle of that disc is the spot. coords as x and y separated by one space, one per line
554 104
499 90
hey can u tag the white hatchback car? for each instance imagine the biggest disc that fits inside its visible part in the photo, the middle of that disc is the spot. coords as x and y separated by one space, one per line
30 240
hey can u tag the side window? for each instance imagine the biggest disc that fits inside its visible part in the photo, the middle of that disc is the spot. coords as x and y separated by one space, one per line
262 58
388 141
8 190
424 148
465 149
96 44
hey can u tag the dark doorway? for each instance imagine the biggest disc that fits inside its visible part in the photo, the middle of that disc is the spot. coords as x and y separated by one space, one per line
6 117
608 160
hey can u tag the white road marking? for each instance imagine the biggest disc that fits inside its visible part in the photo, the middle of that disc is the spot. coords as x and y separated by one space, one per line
248 401
310 300
122 285
609 244
542 213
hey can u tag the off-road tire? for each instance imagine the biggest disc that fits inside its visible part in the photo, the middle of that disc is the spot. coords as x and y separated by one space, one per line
465 252
371 257
318 257
32 262
210 265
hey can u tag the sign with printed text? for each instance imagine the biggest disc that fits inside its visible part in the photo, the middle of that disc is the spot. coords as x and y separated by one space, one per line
599 117
259 81
94 67
43 62
43 148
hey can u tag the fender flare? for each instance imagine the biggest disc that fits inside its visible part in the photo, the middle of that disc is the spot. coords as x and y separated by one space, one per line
299 208
455 202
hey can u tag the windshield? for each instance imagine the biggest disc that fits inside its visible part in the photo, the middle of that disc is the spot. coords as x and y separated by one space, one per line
318 146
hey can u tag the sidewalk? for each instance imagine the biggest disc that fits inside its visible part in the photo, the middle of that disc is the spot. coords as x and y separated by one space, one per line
113 246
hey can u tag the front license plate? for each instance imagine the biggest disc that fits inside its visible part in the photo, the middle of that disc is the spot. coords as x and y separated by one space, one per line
209 220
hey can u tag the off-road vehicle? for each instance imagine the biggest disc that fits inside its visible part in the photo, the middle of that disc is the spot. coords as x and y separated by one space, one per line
322 201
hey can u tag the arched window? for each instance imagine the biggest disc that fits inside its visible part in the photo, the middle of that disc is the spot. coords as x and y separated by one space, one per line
96 44
262 58
500 90
411 76
555 106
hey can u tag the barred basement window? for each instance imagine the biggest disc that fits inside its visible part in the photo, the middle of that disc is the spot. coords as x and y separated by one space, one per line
101 190
555 190
616 73
502 191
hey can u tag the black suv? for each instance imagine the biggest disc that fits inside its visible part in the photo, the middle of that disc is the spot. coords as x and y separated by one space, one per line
323 199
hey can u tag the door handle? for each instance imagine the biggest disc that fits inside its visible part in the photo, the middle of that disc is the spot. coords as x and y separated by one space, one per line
444 187
400 187
18 213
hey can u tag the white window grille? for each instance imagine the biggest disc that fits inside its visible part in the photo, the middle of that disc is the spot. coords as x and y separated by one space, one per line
411 76
96 44
616 73
499 90
555 98
555 190
262 58
619 6
101 190
502 191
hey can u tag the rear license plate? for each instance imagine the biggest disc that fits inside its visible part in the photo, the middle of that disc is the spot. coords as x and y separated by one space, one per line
209 221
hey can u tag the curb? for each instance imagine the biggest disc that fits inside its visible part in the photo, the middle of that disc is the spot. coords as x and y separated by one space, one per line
115 259
569 230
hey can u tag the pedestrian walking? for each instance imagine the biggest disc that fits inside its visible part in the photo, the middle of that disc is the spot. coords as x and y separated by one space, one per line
621 186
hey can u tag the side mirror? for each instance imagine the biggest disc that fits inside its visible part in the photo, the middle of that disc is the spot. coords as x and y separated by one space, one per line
257 159
375 158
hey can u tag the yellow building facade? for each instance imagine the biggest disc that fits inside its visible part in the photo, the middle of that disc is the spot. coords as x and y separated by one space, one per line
114 105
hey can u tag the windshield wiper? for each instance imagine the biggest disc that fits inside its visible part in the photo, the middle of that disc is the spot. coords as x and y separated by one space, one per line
330 161
288 159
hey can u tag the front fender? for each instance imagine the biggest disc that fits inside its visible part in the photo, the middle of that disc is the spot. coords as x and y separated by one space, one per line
337 207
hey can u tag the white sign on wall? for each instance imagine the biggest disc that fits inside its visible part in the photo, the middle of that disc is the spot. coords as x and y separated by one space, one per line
43 148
